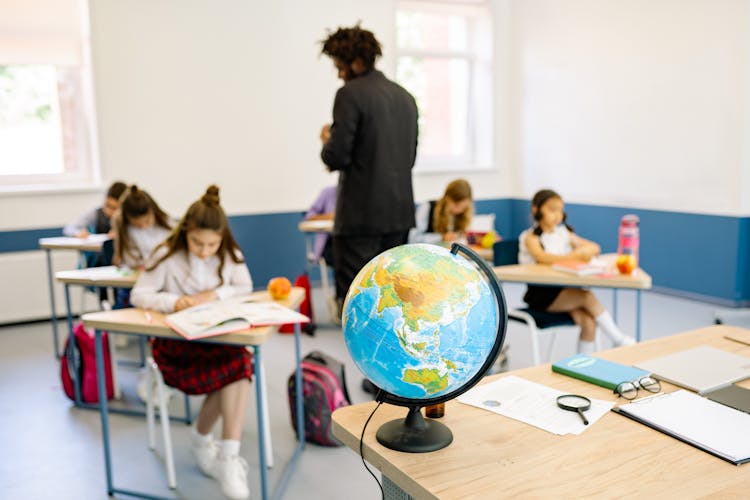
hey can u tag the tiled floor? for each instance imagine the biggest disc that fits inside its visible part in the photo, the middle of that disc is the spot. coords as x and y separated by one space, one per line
51 450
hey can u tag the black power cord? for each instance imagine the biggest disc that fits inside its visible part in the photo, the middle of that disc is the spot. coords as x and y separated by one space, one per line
361 455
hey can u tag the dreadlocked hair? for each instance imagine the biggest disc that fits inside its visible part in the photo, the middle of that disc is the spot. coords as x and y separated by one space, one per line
135 203
348 44
205 213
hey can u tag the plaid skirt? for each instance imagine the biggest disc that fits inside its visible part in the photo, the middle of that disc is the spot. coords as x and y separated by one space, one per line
200 368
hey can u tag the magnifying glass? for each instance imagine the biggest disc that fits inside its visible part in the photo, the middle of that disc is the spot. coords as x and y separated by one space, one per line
576 403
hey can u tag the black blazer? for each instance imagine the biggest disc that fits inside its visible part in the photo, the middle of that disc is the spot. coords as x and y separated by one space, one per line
373 145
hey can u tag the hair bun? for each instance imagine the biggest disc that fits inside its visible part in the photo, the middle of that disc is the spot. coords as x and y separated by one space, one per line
134 189
211 198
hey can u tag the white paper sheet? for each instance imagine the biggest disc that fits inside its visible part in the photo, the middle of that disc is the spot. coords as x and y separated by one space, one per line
532 403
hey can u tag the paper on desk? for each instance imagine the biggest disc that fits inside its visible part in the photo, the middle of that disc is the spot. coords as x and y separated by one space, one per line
532 403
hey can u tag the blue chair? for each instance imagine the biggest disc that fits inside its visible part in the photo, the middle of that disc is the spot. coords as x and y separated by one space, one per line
506 253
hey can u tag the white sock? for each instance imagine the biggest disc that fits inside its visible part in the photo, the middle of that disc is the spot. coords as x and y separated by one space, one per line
608 326
199 438
230 447
586 347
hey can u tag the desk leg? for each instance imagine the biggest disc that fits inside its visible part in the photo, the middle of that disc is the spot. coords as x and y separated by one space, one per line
614 304
259 390
298 381
53 316
100 384
637 315
73 363
300 418
267 420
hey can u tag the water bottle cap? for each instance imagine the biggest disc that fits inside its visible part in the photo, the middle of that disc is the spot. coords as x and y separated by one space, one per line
630 220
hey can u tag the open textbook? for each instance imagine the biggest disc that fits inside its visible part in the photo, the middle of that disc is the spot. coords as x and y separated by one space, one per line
227 316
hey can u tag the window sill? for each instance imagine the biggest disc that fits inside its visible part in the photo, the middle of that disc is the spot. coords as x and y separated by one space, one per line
44 189
453 169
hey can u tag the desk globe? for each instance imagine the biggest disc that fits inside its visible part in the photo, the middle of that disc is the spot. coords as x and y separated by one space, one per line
424 324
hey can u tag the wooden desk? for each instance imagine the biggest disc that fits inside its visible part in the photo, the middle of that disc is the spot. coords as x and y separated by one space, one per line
91 244
493 456
136 321
543 274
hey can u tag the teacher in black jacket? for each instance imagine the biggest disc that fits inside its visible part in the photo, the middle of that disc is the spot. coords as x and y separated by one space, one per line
373 144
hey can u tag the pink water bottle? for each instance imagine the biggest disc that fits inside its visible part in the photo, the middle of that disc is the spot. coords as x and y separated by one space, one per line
628 243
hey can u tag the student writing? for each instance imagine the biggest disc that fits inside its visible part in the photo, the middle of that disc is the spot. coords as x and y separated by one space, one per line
98 219
446 219
550 240
201 262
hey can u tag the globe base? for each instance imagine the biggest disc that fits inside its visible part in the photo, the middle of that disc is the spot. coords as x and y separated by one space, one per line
414 434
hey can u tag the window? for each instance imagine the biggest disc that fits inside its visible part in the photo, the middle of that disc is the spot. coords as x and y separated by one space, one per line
47 127
444 59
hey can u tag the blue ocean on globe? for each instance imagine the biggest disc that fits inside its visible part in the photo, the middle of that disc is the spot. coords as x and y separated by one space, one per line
419 321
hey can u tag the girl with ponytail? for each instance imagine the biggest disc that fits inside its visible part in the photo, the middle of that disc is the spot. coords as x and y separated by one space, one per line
199 262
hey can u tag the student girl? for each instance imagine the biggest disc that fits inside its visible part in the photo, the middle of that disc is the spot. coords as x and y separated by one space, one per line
97 220
550 240
139 227
446 219
198 263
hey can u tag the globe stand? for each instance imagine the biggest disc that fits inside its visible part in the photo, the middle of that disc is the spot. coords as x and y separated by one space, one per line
414 434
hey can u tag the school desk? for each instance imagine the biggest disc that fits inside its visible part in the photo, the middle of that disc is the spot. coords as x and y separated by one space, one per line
137 321
109 276
91 244
543 274
310 228
493 456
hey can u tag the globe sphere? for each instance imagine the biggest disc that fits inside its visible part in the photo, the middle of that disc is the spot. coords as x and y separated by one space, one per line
420 322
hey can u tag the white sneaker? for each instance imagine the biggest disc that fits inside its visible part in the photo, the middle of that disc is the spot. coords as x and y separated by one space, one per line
624 340
205 455
231 472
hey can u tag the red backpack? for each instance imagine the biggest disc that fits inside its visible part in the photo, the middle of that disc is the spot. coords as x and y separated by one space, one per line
305 308
79 362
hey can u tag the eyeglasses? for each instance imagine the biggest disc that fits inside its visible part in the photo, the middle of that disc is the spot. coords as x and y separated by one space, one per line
629 390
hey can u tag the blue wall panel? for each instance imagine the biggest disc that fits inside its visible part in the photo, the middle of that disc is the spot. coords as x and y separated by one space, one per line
703 255
272 244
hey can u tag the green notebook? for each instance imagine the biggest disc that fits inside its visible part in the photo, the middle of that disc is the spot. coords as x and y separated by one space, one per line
598 371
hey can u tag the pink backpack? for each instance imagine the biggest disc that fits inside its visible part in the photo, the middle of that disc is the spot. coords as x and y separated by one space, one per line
323 391
79 362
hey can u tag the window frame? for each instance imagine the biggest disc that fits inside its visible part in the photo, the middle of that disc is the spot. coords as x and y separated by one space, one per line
77 120
479 151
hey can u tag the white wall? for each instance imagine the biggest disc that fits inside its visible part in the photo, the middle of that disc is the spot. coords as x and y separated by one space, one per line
191 92
640 103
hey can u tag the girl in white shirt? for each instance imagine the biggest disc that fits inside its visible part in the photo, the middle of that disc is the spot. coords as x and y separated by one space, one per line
139 226
551 240
198 263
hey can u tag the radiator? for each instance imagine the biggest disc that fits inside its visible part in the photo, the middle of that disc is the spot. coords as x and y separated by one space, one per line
24 295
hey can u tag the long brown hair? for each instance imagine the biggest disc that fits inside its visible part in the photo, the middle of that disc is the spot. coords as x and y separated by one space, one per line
135 203
205 213
456 191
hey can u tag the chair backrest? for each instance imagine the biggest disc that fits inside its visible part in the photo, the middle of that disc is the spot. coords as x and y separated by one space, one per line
108 251
505 252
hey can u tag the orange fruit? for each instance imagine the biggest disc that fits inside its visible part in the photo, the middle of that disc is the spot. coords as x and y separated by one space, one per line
626 264
279 287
